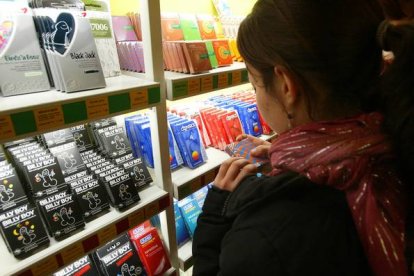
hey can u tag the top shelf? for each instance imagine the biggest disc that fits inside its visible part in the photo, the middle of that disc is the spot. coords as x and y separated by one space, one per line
181 86
31 114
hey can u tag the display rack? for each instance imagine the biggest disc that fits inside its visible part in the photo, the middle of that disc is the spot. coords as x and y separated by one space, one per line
185 254
96 233
32 114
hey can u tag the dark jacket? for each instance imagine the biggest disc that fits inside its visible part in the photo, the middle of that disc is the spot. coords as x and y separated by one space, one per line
280 225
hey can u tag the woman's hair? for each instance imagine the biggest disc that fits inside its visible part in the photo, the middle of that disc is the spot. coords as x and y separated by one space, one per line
329 47
334 51
397 94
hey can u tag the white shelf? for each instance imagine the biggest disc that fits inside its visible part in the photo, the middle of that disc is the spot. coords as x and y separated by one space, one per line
173 76
186 181
185 256
10 265
121 83
31 114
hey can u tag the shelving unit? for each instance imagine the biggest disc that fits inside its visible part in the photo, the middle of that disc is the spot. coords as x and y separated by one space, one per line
28 115
32 114
184 85
186 256
96 233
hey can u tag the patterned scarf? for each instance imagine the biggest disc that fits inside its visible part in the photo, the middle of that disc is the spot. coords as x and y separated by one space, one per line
353 155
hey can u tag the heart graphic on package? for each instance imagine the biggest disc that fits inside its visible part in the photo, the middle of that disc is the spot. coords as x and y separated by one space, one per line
59 34
6 30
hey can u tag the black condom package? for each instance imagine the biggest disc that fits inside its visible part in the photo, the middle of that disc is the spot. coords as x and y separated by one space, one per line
69 158
61 214
81 267
11 190
119 257
90 195
23 230
136 168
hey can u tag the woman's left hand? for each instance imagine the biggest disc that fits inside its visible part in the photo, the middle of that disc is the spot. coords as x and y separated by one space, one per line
232 171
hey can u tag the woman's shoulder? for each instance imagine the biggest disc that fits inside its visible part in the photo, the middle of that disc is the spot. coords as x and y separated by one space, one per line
287 188
305 224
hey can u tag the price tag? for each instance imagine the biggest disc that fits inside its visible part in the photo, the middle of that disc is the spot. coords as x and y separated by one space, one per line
97 107
49 117
194 86
236 77
72 253
196 184
209 177
45 267
6 127
107 234
207 84
139 98
136 218
222 80
151 210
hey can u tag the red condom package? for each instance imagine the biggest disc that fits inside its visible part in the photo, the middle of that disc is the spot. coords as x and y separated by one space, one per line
150 249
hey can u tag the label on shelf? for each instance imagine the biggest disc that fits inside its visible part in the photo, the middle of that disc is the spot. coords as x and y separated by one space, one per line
136 218
152 209
6 127
194 86
97 107
206 84
139 98
72 253
107 234
209 177
45 267
222 80
196 184
180 89
236 77
49 117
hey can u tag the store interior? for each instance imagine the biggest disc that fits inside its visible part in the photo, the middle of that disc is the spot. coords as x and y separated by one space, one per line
111 130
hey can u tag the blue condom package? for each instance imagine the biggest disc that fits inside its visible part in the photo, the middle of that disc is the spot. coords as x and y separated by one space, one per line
142 131
189 141
190 210
249 118
182 234
129 127
172 124
175 157
201 195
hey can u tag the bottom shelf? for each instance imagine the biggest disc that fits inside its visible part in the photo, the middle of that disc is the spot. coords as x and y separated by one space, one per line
97 232
185 256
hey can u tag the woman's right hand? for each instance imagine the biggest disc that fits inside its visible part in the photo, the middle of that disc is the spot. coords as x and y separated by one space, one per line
262 146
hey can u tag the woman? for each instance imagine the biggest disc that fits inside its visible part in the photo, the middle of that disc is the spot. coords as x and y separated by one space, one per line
336 200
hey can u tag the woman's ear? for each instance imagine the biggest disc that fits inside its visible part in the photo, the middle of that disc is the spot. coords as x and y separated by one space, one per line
287 86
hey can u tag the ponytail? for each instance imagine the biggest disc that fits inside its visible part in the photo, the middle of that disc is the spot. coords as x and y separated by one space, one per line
397 104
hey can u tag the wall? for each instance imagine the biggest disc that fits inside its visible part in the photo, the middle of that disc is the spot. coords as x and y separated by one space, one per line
239 7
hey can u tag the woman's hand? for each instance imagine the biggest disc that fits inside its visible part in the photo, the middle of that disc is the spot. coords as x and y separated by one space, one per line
262 146
232 171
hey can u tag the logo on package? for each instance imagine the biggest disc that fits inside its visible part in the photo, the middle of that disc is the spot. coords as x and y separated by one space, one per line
46 177
93 199
64 215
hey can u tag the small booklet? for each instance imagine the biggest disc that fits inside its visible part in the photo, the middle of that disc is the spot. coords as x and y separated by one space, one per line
243 149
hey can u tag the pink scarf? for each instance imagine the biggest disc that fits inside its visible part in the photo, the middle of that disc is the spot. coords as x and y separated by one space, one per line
353 155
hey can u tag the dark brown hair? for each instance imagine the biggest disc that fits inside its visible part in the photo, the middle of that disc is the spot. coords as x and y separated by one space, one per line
328 46
332 49
397 94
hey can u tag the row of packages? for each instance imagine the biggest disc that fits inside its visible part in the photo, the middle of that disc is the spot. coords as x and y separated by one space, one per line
60 180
